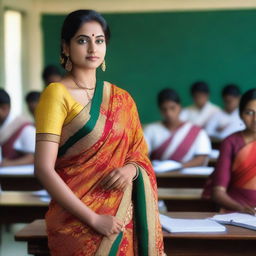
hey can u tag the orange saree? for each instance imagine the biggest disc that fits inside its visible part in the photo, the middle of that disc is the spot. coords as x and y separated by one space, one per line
104 136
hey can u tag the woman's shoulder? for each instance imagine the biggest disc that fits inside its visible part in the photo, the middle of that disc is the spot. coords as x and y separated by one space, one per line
117 89
234 140
56 88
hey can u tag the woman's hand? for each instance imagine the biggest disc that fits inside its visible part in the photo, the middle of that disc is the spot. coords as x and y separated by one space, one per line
119 178
247 209
107 225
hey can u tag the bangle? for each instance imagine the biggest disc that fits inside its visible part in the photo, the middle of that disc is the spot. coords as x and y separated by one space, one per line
137 170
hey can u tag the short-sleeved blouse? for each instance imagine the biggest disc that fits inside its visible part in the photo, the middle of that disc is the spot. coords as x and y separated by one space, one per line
56 108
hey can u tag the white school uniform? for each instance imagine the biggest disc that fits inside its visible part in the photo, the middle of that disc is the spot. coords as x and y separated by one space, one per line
199 116
230 123
156 134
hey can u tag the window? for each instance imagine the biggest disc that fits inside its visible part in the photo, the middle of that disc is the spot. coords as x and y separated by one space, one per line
12 49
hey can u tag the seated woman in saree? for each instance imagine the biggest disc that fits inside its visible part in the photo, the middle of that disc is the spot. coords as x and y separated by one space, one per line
91 155
233 183
172 139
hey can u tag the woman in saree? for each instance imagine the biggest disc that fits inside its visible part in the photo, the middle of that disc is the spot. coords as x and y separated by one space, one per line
233 183
172 139
91 155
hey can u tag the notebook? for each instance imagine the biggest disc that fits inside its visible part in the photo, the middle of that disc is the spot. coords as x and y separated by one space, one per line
166 165
17 170
237 219
199 170
174 225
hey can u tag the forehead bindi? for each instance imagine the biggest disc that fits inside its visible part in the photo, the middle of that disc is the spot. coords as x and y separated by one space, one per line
91 29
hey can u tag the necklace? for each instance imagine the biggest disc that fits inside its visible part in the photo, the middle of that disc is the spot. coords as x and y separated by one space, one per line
84 88
78 84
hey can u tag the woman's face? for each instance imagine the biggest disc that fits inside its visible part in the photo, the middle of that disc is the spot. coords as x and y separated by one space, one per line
170 111
249 116
87 48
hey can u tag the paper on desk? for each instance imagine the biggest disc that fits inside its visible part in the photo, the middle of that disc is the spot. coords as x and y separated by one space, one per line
174 225
203 170
17 170
237 219
41 192
165 165
214 154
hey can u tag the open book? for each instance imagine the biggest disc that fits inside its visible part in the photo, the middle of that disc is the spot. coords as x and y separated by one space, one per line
237 219
174 225
17 170
165 165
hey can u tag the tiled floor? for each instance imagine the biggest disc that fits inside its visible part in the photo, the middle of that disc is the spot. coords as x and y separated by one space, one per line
8 246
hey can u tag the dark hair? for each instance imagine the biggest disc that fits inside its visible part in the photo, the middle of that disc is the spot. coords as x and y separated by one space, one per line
74 21
32 96
167 95
4 97
232 90
199 87
246 98
50 70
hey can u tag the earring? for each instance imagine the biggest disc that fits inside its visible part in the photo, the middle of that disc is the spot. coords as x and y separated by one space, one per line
61 60
103 66
68 65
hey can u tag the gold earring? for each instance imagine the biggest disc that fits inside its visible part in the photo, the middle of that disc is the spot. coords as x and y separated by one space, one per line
61 60
68 65
103 66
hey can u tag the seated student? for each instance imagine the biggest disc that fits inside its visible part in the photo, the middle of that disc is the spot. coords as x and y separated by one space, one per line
32 99
228 121
202 111
233 183
17 135
173 139
51 74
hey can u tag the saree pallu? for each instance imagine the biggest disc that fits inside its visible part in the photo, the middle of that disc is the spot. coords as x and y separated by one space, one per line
104 136
242 187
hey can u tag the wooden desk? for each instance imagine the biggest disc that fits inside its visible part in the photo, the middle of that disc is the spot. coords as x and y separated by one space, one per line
185 199
236 241
21 207
19 182
176 179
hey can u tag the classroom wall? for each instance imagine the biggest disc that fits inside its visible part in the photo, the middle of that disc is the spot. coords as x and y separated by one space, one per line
34 9
152 51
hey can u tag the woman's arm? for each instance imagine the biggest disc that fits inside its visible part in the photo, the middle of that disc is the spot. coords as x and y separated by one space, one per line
45 157
199 160
220 196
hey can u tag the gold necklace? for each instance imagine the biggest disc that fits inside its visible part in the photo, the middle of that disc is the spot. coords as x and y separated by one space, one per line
78 84
84 88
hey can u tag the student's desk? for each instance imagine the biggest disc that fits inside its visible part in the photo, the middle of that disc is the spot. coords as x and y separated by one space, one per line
177 179
236 241
19 178
17 206
185 199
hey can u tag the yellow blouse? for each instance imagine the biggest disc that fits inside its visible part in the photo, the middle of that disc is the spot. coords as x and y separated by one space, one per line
56 108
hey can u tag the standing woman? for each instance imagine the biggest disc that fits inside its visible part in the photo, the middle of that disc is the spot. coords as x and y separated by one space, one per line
234 180
91 155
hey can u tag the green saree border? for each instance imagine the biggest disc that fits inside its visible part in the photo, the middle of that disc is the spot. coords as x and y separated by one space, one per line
89 126
140 211
115 246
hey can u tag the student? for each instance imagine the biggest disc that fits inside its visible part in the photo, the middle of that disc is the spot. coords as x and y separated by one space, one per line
227 121
202 111
32 99
90 151
172 139
17 135
51 74
233 184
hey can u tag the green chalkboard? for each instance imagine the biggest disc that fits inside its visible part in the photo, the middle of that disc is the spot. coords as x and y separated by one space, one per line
151 51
